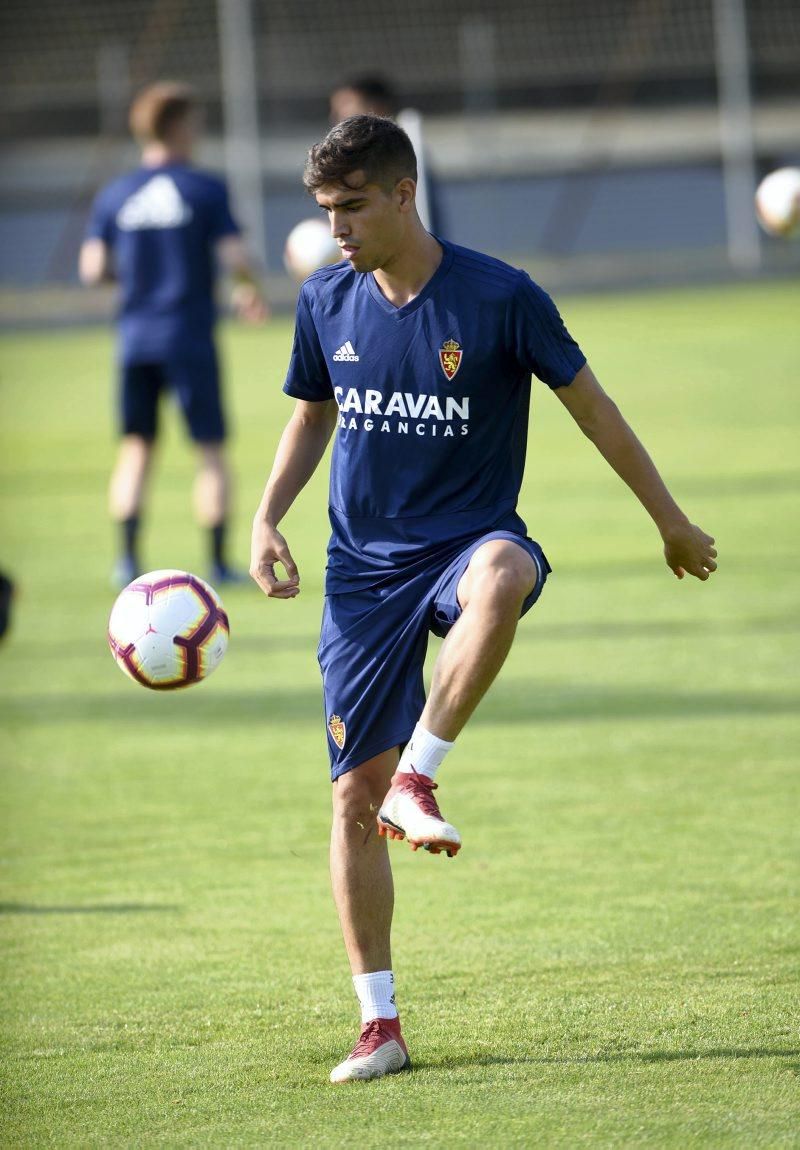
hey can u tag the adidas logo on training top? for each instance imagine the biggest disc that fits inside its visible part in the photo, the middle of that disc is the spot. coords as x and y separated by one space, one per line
345 354
156 205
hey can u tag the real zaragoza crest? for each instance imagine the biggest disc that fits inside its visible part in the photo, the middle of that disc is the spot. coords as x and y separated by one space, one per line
337 729
450 357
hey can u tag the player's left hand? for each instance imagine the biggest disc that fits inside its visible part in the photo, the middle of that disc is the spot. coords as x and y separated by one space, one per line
249 304
689 551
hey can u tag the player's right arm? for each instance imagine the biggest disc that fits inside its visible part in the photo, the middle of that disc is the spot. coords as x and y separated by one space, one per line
300 450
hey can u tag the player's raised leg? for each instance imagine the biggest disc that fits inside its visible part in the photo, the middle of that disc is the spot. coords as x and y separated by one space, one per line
126 495
364 893
499 577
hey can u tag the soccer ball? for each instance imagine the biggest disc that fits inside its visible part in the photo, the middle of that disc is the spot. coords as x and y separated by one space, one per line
168 629
778 202
309 246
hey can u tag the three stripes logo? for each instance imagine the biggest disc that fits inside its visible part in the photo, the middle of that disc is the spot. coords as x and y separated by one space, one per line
345 354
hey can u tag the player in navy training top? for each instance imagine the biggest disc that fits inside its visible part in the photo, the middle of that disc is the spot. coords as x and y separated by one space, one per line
418 355
160 231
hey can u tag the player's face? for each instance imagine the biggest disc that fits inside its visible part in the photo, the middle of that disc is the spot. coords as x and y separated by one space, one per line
366 221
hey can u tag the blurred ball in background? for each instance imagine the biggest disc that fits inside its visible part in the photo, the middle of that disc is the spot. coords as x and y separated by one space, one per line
778 202
309 246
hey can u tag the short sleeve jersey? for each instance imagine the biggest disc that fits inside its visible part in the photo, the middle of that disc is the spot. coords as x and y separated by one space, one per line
161 225
433 402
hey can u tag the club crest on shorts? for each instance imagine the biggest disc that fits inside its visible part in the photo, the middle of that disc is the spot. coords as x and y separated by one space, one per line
337 729
450 357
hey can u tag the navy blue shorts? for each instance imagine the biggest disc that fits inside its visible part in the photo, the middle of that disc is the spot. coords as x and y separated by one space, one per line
372 652
195 383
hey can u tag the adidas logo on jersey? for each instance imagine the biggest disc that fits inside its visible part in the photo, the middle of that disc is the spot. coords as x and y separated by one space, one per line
158 204
345 354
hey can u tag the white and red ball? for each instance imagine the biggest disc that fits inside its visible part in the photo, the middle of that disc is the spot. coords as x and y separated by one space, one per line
309 247
778 202
168 629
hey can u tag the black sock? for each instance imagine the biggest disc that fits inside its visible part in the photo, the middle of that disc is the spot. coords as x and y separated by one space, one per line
218 544
130 537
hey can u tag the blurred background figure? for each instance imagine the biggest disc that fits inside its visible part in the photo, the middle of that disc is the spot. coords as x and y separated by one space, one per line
6 596
362 96
373 95
597 145
160 231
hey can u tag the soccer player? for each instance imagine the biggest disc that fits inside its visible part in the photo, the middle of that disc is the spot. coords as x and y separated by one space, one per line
161 231
419 355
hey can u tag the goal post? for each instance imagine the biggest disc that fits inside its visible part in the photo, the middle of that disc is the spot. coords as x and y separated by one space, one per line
242 142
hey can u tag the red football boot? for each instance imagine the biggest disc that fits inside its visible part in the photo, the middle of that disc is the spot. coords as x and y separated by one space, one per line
410 811
380 1050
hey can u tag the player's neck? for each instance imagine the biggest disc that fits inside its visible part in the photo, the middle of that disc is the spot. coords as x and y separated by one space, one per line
156 155
404 277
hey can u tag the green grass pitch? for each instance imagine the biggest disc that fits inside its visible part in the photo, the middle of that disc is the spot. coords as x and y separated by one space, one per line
612 959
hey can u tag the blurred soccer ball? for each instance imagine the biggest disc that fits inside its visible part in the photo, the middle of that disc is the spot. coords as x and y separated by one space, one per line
168 629
778 202
309 246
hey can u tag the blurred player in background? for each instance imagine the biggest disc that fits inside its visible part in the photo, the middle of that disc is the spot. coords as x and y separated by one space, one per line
420 354
161 231
372 95
362 96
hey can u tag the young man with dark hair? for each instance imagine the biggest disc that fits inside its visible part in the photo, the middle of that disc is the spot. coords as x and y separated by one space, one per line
420 354
160 231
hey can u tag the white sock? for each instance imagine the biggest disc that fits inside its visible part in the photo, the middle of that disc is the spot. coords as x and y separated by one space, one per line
376 994
424 753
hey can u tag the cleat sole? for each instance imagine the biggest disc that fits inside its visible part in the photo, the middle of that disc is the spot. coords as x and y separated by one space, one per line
441 847
390 830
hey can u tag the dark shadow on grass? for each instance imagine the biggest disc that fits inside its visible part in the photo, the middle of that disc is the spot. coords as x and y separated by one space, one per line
534 702
268 644
643 1056
534 630
654 628
102 908
508 702
757 484
200 707
652 572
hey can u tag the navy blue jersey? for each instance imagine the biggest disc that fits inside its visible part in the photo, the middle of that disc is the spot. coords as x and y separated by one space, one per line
161 225
433 404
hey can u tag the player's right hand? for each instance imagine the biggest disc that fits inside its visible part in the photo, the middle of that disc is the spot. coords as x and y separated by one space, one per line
269 547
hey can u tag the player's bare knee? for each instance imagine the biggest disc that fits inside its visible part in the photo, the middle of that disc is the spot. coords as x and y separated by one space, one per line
356 797
134 453
503 576
515 582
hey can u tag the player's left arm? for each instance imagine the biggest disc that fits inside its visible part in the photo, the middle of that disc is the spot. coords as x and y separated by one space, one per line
94 262
247 296
687 549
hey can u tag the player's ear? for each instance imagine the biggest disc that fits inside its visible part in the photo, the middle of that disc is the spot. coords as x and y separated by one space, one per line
405 190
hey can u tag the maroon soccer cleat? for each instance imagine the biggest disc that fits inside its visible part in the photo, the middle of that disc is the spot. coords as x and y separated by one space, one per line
380 1050
410 811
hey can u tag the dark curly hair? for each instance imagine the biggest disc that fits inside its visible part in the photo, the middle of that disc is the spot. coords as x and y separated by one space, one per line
373 145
